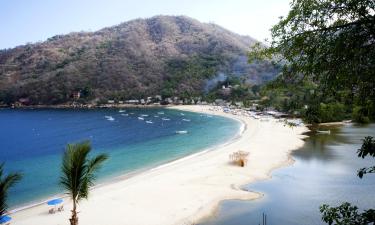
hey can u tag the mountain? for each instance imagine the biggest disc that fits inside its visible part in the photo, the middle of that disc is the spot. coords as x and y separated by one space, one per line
167 55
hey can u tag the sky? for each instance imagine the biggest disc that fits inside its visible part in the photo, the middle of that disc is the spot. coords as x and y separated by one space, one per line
23 21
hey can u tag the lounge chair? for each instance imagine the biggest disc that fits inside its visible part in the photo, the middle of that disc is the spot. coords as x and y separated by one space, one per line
61 208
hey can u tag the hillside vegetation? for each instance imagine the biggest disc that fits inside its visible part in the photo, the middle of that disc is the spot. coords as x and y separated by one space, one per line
163 55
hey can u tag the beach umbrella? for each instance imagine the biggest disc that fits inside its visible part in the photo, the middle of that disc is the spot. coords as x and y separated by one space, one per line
55 201
4 219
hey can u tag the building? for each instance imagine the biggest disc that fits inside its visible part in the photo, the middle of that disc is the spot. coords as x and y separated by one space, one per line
24 101
76 95
132 101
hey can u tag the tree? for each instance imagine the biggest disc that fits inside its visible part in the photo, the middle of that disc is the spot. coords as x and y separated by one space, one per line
6 182
368 148
346 214
78 173
331 42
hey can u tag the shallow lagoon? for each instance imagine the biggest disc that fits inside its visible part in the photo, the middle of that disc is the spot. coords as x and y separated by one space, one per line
324 172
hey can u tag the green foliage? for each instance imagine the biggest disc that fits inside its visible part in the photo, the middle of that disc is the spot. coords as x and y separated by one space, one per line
331 112
237 89
188 75
346 214
78 173
331 43
311 114
359 115
7 96
6 182
367 148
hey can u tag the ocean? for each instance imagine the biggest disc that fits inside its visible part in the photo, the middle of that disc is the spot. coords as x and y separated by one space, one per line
33 141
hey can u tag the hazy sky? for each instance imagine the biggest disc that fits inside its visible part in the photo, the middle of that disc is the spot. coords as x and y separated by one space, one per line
23 21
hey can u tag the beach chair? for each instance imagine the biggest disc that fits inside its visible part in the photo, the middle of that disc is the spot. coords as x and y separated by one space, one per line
51 211
61 208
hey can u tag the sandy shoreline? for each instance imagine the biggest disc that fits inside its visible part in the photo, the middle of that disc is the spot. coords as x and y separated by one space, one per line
185 190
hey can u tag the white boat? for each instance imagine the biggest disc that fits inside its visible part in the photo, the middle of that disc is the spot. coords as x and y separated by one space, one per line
161 113
324 131
124 114
144 115
156 116
149 121
110 118
141 118
181 132
182 114
121 111
165 119
187 120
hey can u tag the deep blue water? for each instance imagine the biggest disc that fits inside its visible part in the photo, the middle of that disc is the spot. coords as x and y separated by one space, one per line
32 142
324 172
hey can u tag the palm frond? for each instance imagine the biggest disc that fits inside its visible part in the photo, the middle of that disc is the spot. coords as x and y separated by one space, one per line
6 182
78 170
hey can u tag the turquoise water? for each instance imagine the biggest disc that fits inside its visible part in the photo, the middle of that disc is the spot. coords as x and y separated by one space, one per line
32 142
324 173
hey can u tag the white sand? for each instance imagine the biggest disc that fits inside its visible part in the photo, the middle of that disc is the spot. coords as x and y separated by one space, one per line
186 190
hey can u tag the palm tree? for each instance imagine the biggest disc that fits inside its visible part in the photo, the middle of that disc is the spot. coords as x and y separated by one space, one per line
6 181
78 173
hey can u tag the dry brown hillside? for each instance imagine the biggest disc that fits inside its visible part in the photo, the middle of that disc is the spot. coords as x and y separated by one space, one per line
168 55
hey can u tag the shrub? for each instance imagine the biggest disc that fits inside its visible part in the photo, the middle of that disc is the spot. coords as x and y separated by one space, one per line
359 115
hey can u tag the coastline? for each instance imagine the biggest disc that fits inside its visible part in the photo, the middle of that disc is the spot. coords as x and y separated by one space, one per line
127 175
161 195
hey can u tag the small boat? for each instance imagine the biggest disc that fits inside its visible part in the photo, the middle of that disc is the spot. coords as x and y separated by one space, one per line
110 118
144 115
156 116
124 114
149 121
161 113
324 131
121 111
187 120
165 119
141 118
181 132
182 114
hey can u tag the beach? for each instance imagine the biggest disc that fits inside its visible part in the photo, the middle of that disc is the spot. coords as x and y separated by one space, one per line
186 190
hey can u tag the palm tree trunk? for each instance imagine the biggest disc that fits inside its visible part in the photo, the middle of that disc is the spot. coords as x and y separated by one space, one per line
74 219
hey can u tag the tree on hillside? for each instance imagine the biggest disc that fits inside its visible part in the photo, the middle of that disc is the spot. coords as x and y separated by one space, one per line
331 42
6 182
78 173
